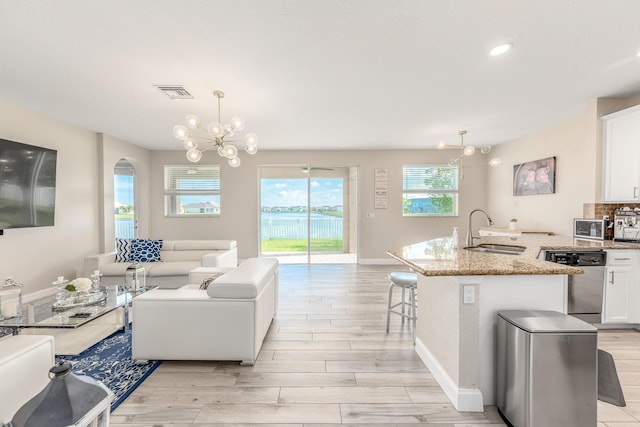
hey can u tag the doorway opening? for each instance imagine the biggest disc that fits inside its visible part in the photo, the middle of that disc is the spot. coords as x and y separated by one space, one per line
308 214
126 224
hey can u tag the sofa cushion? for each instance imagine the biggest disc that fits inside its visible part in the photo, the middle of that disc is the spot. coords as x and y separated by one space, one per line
114 269
145 250
178 268
123 250
203 245
191 255
246 281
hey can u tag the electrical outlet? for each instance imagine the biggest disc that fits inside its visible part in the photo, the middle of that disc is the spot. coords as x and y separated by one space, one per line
469 294
371 215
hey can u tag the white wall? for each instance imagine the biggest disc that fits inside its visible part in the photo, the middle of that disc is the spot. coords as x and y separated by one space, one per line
577 146
575 178
36 256
239 198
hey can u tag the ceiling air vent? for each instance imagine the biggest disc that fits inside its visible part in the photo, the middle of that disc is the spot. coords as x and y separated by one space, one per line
175 92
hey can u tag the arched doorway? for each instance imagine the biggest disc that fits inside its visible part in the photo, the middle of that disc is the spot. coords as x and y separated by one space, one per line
126 224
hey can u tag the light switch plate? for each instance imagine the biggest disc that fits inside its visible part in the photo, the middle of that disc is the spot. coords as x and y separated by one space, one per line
469 295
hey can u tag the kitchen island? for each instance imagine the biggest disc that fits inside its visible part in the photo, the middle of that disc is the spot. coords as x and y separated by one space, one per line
459 295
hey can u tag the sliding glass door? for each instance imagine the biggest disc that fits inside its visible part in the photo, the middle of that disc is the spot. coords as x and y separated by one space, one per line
305 214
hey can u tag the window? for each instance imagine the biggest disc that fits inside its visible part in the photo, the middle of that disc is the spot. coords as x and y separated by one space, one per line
192 191
429 191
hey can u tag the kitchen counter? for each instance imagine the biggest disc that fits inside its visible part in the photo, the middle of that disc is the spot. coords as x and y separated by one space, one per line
460 293
437 257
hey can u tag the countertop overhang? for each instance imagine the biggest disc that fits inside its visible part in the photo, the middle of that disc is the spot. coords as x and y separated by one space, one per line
438 257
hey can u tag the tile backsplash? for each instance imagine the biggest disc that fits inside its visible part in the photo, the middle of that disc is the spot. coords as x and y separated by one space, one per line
598 210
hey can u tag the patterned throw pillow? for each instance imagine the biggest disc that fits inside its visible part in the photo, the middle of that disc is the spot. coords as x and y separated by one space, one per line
145 250
123 248
206 282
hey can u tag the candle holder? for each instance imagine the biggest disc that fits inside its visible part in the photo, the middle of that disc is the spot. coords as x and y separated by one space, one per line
95 280
11 306
61 295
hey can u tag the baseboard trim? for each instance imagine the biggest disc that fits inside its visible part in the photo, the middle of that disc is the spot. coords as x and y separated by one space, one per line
463 399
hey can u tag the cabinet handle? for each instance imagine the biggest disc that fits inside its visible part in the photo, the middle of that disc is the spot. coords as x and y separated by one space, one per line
612 277
622 259
635 192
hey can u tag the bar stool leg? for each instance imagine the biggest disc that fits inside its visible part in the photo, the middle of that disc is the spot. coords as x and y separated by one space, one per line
402 304
389 304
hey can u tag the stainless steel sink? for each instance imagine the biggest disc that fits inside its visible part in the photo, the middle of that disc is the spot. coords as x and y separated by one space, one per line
495 248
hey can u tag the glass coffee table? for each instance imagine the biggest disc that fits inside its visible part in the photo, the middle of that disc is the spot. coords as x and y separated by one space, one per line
78 327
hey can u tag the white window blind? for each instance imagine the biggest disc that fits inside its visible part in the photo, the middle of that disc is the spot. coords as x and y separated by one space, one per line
429 190
192 190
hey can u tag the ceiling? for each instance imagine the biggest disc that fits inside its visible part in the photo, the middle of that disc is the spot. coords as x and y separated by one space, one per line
325 74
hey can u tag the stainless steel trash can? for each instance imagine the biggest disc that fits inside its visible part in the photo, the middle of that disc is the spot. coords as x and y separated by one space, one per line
546 369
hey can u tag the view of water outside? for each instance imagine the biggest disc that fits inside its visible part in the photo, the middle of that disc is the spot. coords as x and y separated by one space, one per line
287 222
124 206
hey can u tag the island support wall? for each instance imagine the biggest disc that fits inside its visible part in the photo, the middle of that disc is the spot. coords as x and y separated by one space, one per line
456 340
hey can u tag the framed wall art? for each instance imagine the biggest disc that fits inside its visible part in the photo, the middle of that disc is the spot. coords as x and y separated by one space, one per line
537 177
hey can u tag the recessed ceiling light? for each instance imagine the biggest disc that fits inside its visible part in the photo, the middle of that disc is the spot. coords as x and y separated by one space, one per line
500 49
638 54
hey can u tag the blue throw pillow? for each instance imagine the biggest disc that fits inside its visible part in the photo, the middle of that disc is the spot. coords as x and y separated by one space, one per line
123 250
145 250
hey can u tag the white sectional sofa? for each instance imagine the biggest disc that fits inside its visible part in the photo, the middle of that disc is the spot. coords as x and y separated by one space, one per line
178 258
227 321
25 361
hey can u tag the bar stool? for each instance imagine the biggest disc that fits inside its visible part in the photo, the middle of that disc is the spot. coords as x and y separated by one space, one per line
407 282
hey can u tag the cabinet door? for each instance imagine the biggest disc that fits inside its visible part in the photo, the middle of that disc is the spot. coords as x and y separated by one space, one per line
618 295
622 156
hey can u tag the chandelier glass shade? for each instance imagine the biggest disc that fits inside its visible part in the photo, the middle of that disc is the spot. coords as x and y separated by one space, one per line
197 138
468 150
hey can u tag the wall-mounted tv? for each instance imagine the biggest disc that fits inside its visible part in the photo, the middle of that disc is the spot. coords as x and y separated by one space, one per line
27 185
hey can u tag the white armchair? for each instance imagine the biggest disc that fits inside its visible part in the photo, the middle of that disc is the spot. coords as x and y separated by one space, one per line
25 361
228 321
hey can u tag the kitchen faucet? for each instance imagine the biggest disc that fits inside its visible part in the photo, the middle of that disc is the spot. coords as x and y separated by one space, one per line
469 233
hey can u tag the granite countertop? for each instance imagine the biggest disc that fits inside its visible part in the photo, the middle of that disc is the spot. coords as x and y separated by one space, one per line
437 257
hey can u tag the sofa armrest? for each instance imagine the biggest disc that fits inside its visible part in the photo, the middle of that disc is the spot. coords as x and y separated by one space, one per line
93 262
25 361
222 258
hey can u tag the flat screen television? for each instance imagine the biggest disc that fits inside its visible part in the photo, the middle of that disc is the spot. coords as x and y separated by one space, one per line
27 185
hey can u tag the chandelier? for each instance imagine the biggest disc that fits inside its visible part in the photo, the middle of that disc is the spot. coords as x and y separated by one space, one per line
468 150
197 139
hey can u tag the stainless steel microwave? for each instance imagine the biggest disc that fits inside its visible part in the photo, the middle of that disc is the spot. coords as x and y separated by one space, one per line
589 228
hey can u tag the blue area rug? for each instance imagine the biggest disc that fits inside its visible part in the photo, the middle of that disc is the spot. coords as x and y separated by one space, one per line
109 361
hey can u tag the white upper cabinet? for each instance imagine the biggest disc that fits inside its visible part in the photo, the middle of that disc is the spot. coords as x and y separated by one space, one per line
622 156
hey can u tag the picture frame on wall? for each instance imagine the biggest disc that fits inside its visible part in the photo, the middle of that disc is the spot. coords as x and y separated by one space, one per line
536 177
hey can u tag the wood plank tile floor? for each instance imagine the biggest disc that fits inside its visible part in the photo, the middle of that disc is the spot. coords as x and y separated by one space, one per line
328 361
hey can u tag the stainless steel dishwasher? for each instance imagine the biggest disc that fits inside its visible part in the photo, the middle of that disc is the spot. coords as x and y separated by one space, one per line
546 369
585 290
